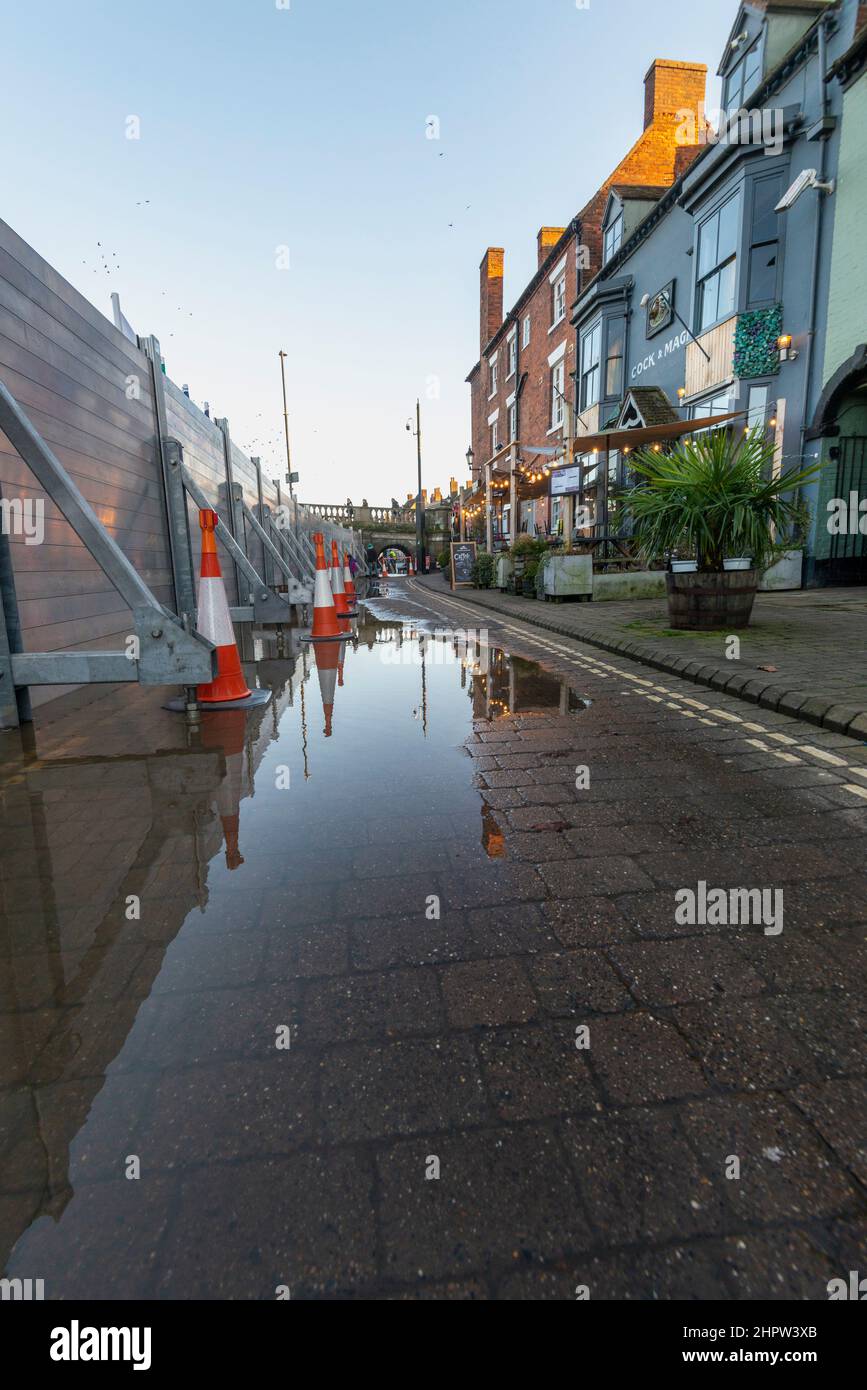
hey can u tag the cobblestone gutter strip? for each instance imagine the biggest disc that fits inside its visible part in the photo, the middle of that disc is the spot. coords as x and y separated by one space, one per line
810 706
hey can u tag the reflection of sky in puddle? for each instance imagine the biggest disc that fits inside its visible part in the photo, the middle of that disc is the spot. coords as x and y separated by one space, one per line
235 840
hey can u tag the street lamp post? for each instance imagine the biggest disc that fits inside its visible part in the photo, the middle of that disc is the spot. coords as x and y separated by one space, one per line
294 509
419 511
471 458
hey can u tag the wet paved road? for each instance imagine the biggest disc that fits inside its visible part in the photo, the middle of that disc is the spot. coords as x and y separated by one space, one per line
420 1043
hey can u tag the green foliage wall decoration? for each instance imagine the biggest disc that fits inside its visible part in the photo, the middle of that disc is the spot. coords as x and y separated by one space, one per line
756 351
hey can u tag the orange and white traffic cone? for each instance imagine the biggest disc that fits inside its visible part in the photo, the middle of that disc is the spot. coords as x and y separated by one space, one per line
410 569
215 623
348 582
329 661
337 585
226 730
326 626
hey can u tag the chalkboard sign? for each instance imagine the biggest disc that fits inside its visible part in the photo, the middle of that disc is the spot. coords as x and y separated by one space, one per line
463 559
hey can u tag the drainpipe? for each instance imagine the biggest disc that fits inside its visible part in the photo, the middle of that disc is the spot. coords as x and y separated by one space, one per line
817 243
817 246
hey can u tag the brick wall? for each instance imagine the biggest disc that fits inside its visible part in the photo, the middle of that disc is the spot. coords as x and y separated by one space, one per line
657 158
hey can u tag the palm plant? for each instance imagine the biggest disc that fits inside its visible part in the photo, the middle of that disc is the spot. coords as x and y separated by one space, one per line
714 496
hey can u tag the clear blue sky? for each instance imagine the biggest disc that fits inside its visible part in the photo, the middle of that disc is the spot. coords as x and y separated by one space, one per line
304 127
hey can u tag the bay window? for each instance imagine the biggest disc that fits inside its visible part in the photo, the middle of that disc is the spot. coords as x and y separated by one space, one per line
717 264
591 349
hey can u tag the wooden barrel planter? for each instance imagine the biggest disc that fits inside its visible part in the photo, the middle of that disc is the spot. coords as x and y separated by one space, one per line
706 601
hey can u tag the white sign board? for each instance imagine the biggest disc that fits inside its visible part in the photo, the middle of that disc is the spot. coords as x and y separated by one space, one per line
565 480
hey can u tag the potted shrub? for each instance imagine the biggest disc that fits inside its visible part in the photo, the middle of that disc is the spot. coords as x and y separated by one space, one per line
483 570
714 497
443 561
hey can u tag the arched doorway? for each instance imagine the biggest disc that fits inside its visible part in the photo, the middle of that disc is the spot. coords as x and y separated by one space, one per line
397 557
840 425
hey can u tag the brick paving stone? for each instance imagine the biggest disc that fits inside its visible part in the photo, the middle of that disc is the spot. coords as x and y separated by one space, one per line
677 972
374 1090
483 885
243 1229
533 1072
614 874
587 921
784 1265
640 1179
836 1109
743 1045
786 1173
833 1027
503 1196
477 934
488 992
383 897
689 1272
538 847
577 983
306 952
230 1110
640 1058
356 1007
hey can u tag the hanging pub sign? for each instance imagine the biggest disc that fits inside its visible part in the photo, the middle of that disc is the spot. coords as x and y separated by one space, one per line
463 558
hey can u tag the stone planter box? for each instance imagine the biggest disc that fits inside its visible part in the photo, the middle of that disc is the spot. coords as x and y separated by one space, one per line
701 602
568 576
629 585
786 573
503 568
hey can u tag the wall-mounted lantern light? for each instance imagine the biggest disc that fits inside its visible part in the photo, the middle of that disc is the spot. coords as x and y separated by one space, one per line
784 344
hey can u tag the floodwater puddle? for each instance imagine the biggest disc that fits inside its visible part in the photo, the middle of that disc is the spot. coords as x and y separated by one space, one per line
181 909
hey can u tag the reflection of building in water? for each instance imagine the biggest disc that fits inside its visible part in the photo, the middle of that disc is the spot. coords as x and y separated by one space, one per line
101 861
493 839
514 686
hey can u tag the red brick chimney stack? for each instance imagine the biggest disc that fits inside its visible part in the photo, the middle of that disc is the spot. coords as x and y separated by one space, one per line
547 238
670 87
491 293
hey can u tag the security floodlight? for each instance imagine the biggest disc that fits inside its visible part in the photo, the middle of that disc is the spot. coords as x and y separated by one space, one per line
741 38
808 178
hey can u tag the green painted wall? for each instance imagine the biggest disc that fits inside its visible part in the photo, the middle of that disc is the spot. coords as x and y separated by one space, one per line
847 302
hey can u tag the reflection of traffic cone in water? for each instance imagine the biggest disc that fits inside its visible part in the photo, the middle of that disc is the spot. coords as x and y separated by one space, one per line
214 622
348 582
225 729
337 584
326 627
329 660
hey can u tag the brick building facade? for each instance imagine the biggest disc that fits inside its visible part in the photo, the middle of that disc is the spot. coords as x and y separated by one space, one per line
522 387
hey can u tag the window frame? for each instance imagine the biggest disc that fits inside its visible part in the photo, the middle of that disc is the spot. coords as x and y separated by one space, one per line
740 65
615 226
557 388
778 177
587 372
527 330
734 196
493 376
558 300
610 324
